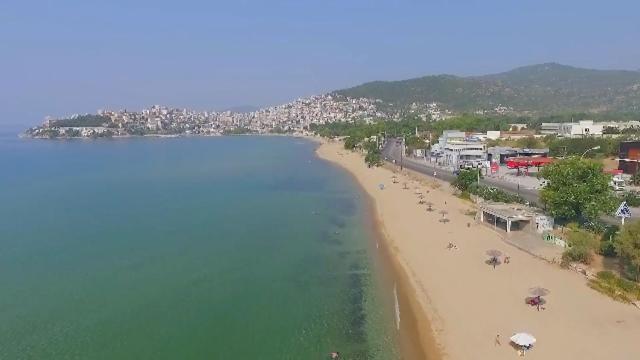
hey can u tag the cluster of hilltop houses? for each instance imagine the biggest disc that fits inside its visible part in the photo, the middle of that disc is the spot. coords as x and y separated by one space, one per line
293 117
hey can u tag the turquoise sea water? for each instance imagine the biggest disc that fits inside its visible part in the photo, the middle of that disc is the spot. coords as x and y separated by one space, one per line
186 248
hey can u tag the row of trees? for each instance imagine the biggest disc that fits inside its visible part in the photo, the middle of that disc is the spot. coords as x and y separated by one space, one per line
467 183
88 120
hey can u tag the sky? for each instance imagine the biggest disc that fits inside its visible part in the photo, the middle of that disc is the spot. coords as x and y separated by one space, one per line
63 57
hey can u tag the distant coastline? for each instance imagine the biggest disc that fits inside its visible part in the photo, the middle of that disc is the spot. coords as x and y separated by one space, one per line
168 136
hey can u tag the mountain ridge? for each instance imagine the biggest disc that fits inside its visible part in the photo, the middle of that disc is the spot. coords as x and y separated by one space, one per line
539 88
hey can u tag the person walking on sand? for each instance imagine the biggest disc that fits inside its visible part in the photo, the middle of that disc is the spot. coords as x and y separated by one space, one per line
497 341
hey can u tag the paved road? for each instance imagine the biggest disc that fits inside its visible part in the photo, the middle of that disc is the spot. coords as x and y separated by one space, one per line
392 152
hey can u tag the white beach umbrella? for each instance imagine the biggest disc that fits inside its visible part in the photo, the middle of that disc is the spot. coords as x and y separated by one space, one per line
523 339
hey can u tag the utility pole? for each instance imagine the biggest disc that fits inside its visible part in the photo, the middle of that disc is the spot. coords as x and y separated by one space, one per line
401 152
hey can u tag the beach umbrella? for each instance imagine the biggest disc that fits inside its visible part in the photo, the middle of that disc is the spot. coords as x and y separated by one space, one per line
539 291
523 339
494 254
404 186
429 206
444 212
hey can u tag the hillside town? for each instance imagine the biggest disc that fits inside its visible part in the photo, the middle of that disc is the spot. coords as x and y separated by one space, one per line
291 118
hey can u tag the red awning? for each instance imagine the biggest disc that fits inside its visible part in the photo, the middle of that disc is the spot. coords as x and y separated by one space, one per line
528 161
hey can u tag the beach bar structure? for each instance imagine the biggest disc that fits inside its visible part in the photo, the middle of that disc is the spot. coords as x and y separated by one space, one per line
510 217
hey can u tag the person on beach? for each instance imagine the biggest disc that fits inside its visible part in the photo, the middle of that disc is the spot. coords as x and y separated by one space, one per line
497 341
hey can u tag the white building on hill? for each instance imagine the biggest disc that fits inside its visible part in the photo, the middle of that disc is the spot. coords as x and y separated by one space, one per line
581 128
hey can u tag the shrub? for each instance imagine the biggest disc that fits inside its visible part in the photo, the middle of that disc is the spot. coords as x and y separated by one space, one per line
465 179
607 248
632 198
581 247
465 195
494 194
607 241
577 254
615 287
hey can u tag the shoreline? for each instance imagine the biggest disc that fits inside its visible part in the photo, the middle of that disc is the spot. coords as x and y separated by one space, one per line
23 135
454 294
415 338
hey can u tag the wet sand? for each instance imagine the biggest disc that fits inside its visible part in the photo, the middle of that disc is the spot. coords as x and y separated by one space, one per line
415 338
462 303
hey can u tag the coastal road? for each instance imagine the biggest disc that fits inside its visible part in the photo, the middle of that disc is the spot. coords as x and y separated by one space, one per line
391 151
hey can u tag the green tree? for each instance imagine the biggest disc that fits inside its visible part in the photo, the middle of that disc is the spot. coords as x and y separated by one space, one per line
465 179
529 142
351 142
373 157
414 142
577 189
628 248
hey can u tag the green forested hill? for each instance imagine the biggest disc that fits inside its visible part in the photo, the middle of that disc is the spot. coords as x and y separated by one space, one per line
544 88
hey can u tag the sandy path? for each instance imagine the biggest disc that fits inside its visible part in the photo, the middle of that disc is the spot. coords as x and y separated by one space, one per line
467 301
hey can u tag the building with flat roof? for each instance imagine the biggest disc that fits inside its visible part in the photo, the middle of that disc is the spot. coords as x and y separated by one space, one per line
500 154
581 128
514 217
550 128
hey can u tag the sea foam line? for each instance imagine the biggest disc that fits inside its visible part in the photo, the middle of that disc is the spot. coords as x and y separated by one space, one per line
397 306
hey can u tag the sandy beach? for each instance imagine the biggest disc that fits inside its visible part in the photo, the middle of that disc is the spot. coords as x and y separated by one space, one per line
463 303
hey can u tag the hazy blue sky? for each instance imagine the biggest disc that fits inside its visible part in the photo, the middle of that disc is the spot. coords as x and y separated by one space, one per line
61 57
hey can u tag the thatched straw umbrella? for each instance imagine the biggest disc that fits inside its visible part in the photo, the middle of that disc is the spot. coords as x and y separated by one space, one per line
494 257
538 292
429 206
